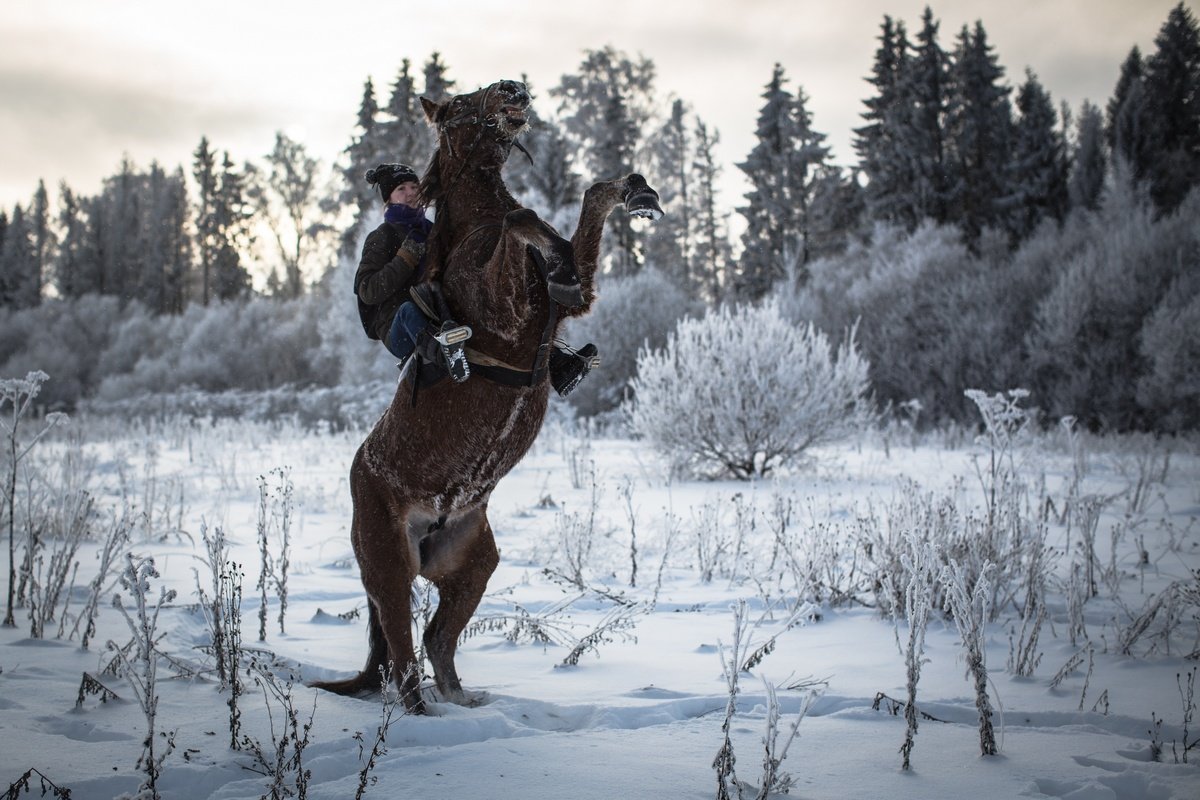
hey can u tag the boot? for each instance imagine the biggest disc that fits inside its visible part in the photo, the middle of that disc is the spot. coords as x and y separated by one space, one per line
569 367
444 346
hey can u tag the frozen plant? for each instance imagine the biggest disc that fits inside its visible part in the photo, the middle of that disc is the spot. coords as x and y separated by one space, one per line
1004 424
22 786
138 663
284 763
390 701
743 392
736 659
275 509
18 394
920 574
617 623
116 539
970 612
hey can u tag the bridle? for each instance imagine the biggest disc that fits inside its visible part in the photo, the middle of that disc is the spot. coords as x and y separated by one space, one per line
477 117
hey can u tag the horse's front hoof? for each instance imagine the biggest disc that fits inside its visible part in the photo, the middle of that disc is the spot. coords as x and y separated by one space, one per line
568 295
643 203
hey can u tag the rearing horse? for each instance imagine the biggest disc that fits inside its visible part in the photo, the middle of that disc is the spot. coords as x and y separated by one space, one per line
421 480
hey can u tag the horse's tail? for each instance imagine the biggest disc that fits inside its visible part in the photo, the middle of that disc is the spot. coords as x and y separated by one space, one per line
369 678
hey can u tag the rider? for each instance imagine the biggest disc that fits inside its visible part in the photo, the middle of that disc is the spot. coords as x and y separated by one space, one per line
391 265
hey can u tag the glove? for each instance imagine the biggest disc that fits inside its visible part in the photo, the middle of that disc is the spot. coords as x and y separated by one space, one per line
411 251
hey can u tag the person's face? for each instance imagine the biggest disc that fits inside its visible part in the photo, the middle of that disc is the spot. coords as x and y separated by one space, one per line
406 194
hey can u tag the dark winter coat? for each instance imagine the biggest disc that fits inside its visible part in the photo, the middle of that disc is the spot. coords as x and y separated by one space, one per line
385 274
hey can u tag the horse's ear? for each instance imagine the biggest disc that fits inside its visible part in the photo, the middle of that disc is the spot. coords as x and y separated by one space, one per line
431 109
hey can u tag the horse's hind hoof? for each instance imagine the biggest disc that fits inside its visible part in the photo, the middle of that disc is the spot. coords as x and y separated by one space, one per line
643 203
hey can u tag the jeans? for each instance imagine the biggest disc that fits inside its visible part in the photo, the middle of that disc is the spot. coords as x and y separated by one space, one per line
402 337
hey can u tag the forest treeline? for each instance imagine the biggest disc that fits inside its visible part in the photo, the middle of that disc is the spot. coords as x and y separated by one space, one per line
985 237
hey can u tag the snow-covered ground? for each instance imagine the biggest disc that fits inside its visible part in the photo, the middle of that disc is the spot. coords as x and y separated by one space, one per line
641 715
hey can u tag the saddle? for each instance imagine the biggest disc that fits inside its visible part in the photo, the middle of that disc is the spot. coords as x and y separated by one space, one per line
567 367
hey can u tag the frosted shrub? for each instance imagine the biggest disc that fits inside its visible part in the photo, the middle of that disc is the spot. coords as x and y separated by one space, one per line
636 311
742 392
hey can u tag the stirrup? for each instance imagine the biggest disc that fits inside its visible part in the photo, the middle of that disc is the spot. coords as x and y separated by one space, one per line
451 337
568 367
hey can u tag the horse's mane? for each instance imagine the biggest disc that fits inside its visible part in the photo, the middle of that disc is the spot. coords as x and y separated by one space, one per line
433 191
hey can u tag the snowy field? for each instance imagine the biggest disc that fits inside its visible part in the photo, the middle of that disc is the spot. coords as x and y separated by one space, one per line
642 712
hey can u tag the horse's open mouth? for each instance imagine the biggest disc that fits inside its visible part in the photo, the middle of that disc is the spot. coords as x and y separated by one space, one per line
515 116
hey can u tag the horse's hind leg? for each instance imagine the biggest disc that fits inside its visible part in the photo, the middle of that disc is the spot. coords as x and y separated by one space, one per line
458 560
387 565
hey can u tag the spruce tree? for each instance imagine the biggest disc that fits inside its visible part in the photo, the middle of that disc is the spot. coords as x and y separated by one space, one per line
605 109
403 135
669 243
546 181
41 240
1172 84
437 86
207 232
1037 178
1089 164
362 154
75 263
880 143
782 169
1128 127
980 132
234 218
16 262
921 126
712 222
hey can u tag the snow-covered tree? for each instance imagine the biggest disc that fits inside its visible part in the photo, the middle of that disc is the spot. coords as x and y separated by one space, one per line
1127 124
1172 86
882 159
980 132
17 264
713 251
1089 164
1037 178
922 127
438 87
669 243
782 169
787 391
605 109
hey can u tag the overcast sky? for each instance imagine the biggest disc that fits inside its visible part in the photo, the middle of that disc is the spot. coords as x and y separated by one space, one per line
84 81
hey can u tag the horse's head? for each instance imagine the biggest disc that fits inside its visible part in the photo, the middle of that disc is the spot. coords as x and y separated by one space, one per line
481 126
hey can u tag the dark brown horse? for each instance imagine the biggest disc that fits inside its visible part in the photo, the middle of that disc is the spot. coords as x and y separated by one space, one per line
422 479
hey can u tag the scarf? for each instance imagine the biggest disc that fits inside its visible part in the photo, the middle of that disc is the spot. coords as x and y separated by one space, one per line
412 218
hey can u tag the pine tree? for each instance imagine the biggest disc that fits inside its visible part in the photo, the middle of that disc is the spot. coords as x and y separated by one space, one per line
839 205
437 86
403 135
712 224
1090 161
669 243
605 109
782 169
41 240
1038 170
363 153
234 216
1172 86
1128 128
921 126
888 170
546 181
17 263
204 171
74 262
980 131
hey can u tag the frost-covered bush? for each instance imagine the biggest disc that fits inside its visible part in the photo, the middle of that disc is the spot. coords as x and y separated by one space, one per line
256 344
1170 388
742 392
633 312
1089 352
